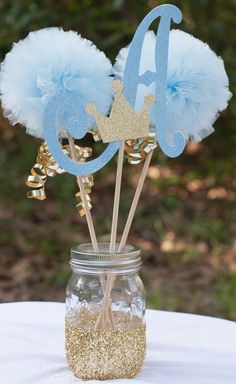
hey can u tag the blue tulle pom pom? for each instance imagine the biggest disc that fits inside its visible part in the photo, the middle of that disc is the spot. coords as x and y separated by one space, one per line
49 61
197 84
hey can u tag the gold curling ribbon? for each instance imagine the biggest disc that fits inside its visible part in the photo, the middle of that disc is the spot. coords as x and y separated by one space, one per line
88 181
136 150
96 135
46 166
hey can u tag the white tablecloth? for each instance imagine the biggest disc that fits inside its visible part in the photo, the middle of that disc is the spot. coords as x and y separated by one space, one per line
182 349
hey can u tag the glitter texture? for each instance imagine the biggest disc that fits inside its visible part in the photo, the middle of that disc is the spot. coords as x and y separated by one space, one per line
123 123
105 354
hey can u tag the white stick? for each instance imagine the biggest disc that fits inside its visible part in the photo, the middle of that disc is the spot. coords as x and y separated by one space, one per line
83 198
116 202
135 201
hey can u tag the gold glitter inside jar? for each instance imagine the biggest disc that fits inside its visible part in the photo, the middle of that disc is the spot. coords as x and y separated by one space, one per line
105 307
105 354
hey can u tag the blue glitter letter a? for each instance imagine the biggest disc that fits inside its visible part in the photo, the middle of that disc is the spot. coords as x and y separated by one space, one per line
132 78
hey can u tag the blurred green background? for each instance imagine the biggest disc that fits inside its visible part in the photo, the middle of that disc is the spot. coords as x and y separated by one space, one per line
186 220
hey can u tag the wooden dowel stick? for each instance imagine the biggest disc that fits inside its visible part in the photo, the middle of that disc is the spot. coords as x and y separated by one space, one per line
135 201
106 310
83 198
116 202
106 313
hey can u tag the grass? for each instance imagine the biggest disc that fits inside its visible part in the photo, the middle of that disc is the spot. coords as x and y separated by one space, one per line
225 295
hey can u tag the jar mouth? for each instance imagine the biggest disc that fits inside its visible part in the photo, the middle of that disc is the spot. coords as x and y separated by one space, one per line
83 256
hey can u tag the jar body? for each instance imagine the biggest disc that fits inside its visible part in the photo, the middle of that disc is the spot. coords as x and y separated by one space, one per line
105 324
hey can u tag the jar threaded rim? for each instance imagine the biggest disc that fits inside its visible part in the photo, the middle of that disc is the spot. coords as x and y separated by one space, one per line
83 256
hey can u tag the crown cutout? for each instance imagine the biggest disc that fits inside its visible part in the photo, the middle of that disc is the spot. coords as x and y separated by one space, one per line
123 123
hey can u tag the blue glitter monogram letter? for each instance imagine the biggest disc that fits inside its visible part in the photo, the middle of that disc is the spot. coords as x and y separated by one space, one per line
77 125
132 78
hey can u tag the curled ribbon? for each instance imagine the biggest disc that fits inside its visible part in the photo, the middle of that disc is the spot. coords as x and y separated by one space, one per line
136 150
46 166
88 181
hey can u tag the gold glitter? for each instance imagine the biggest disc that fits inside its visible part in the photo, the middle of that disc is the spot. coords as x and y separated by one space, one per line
123 123
105 354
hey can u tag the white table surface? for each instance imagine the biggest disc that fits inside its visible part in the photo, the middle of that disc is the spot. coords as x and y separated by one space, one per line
182 348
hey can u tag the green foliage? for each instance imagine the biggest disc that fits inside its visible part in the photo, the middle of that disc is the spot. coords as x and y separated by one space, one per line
210 230
225 294
160 300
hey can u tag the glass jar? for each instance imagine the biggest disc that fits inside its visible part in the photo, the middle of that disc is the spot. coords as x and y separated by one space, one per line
105 333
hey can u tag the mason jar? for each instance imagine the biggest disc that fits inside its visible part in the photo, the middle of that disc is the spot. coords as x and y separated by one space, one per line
105 333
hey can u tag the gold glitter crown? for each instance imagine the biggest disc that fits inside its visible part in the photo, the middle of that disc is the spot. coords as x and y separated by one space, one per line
123 123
